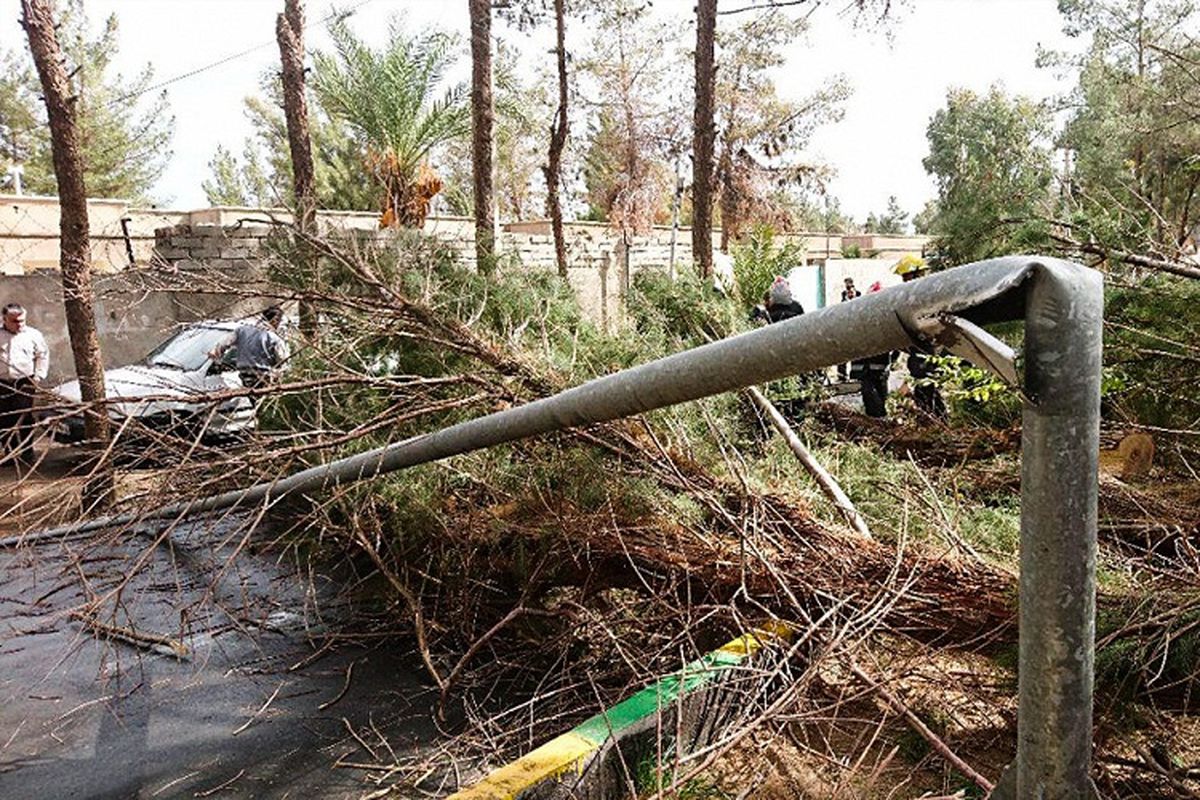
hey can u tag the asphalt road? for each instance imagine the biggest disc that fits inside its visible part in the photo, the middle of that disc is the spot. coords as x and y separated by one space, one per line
87 715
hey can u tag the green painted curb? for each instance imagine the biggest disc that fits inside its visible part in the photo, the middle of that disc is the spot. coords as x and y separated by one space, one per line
577 749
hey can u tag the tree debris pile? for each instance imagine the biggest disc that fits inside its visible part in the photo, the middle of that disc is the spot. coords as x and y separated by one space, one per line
541 581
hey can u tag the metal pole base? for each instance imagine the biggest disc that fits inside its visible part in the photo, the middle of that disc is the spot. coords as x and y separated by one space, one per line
1006 787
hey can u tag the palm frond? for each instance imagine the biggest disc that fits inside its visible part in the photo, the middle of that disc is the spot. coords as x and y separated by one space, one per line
389 96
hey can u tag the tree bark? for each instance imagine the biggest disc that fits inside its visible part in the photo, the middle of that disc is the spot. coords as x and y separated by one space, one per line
704 133
481 132
289 33
558 141
75 246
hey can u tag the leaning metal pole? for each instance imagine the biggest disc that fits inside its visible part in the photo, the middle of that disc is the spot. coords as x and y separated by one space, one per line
1060 443
1062 304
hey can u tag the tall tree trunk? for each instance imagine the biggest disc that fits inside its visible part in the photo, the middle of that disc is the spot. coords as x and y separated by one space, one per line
289 33
558 142
75 248
481 132
705 134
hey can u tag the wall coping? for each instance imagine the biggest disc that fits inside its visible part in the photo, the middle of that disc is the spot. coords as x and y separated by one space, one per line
52 199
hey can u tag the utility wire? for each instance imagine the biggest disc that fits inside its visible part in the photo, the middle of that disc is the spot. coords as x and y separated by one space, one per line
336 14
123 98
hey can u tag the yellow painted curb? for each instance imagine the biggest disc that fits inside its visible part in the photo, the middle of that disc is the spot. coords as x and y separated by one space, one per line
548 761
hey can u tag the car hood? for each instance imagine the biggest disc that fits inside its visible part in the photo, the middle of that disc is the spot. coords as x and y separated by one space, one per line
139 381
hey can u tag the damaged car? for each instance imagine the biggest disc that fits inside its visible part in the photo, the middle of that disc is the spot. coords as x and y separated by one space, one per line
169 391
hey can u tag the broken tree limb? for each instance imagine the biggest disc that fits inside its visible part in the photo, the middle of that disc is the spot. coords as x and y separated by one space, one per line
827 482
163 645
897 705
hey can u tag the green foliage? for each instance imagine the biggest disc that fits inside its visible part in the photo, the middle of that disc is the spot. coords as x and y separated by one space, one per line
761 130
893 496
646 780
992 168
670 315
227 187
634 132
1163 657
1132 132
924 220
759 258
124 149
522 116
975 394
1152 362
893 221
994 529
626 184
387 96
387 100
262 176
504 508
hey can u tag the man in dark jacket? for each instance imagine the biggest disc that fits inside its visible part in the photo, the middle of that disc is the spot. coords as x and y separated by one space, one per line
925 391
872 375
923 370
780 303
849 292
260 349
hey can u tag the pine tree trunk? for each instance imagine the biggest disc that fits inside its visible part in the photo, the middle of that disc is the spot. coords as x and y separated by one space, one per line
481 132
75 246
704 136
558 142
289 33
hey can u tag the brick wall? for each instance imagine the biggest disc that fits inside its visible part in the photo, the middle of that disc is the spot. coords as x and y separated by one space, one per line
600 263
597 267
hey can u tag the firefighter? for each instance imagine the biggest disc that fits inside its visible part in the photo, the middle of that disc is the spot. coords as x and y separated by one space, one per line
923 370
872 375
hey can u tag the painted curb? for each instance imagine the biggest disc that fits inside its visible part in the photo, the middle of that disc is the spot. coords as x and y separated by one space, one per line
541 772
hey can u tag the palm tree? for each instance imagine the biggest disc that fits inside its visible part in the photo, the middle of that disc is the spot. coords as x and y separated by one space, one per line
387 97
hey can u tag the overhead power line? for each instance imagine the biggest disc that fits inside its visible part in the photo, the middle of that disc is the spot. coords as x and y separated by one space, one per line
233 57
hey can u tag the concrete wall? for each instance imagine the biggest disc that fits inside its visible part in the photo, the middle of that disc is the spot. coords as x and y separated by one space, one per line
875 245
29 228
29 233
601 266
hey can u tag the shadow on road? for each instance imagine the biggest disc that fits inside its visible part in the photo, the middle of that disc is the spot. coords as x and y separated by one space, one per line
94 702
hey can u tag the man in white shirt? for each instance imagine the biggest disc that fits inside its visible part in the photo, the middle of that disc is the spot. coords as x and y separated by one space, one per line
24 361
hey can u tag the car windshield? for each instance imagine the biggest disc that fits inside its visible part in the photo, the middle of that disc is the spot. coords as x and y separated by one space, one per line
188 350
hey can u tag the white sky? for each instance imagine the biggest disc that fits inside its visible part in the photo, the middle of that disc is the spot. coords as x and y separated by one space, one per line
899 81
